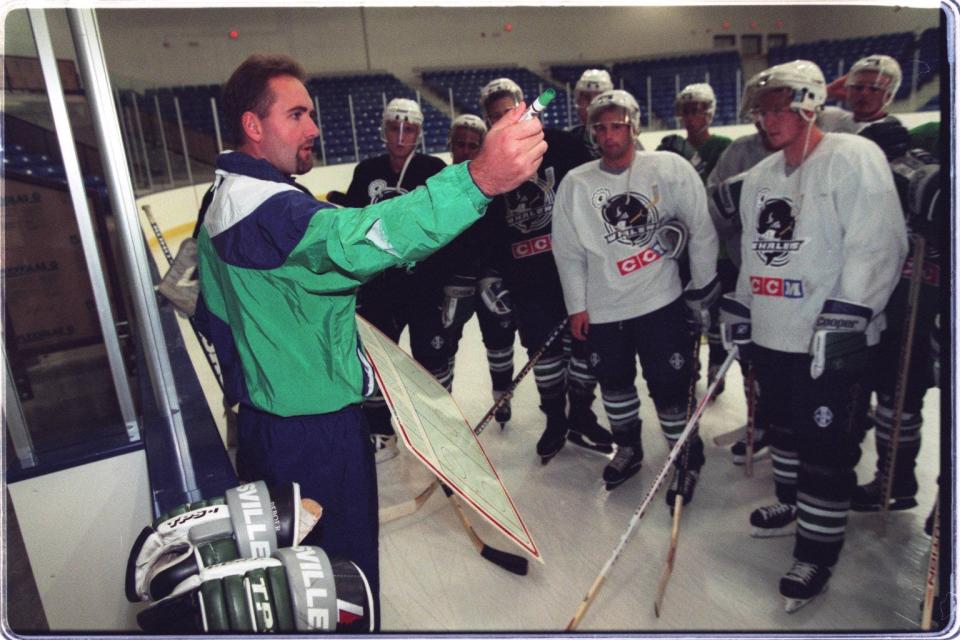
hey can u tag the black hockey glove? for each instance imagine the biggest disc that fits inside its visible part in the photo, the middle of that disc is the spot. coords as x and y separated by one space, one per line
725 202
839 338
297 589
679 145
458 300
892 137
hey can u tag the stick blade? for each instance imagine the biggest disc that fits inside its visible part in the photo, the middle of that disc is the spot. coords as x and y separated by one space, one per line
509 561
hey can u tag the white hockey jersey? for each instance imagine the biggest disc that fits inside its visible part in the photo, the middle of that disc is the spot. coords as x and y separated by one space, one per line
604 242
831 228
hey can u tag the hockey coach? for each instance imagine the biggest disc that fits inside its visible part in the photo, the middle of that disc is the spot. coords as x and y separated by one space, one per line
279 272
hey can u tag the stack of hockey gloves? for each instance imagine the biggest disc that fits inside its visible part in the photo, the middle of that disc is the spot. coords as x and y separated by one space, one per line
230 564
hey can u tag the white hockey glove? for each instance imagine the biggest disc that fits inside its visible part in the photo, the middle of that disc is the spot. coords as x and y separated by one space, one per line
670 239
699 301
297 589
495 296
178 284
839 338
458 300
735 330
250 521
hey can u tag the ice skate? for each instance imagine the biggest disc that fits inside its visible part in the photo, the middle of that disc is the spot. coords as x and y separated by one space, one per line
802 583
625 464
774 520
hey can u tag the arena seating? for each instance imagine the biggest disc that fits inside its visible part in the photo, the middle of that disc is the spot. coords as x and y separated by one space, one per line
466 85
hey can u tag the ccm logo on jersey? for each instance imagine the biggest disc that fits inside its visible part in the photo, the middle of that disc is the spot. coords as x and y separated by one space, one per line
638 261
777 287
531 247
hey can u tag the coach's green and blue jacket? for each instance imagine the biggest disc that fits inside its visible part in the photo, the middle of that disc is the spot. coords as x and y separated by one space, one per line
279 272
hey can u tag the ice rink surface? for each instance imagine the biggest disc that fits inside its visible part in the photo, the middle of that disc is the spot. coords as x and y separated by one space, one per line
434 580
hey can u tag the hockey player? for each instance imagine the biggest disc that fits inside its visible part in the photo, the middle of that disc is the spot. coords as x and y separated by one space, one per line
695 107
917 176
278 275
592 83
615 232
462 297
824 240
404 296
520 248
723 191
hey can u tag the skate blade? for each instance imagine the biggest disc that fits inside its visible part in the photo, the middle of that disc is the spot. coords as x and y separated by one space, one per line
757 455
896 504
793 604
774 533
547 457
580 441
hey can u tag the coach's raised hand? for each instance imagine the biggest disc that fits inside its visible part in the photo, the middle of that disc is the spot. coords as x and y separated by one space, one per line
511 153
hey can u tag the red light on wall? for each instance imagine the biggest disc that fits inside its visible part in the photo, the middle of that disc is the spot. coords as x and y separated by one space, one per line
234 34
725 25
753 24
508 26
779 23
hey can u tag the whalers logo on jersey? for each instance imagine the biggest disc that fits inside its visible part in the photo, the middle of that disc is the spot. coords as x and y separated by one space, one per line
530 205
774 242
629 218
379 190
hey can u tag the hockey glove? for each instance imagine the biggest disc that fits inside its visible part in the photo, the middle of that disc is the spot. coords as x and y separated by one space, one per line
298 589
180 285
495 296
670 239
892 137
338 198
735 324
725 202
679 145
699 301
839 338
917 176
251 521
458 300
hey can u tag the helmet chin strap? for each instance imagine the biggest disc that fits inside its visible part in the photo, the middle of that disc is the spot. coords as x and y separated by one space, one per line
798 199
406 163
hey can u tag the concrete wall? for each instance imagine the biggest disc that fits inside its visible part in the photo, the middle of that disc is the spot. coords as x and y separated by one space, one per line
157 47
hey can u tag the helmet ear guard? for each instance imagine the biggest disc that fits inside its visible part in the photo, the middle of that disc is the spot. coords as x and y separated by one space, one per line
619 99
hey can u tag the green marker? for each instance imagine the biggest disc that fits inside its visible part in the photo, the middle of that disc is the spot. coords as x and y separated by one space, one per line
539 105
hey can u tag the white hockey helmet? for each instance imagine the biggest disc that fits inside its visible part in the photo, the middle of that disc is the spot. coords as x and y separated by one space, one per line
496 88
698 93
883 65
615 98
404 111
802 77
593 81
467 121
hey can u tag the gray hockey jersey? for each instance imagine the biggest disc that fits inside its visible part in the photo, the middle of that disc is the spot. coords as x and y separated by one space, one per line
831 228
604 235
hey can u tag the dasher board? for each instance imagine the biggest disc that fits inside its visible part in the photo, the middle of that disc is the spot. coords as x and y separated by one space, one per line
435 430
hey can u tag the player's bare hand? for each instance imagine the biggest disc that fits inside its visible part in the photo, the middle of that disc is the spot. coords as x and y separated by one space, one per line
580 325
511 153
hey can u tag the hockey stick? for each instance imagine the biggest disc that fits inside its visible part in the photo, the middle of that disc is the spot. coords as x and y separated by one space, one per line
502 400
906 350
751 419
926 618
730 437
635 519
678 498
509 561
403 509
205 346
